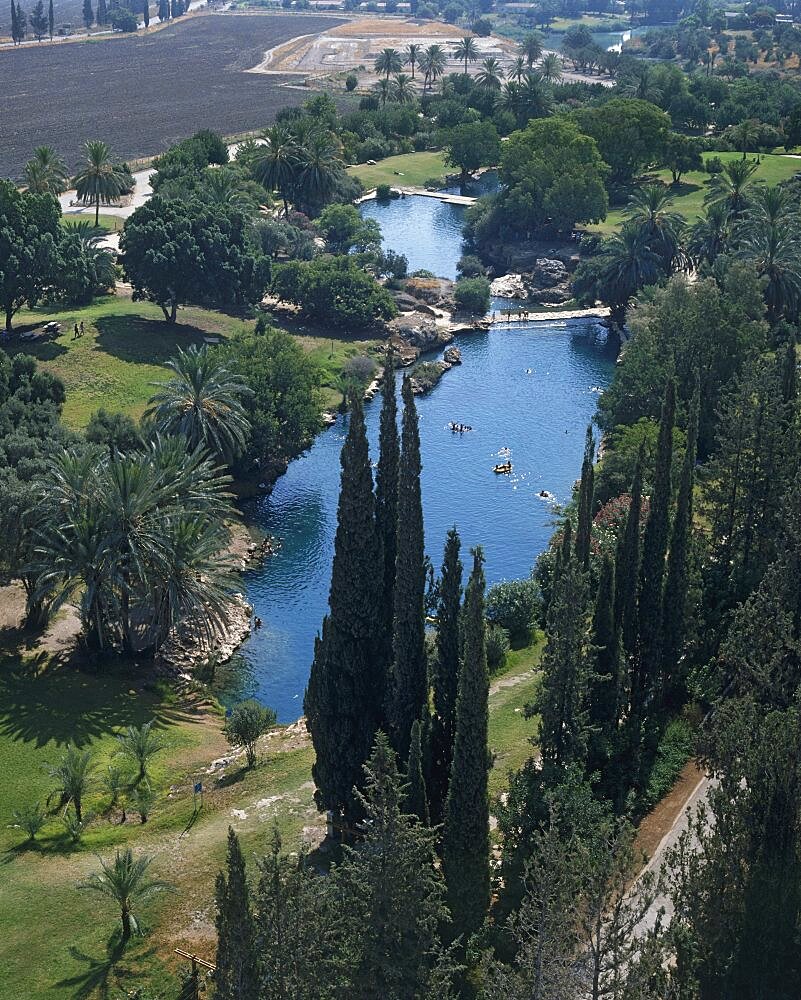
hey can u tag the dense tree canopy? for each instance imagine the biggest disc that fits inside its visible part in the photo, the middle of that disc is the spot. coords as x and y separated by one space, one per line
630 133
335 290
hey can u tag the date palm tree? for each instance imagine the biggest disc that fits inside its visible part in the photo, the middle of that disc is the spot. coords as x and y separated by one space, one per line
101 179
139 745
403 88
650 211
709 235
125 881
412 56
388 61
73 777
531 47
466 50
223 186
320 158
767 238
383 89
551 68
202 402
518 69
276 164
490 75
433 63
745 135
629 264
732 188
46 172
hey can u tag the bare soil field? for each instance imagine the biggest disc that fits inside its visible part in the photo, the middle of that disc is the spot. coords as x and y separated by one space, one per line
142 93
357 43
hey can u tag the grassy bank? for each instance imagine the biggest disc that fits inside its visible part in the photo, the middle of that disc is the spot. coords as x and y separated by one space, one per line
60 941
126 344
411 169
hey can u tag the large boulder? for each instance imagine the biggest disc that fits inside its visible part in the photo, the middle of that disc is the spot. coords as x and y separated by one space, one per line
547 273
420 331
509 286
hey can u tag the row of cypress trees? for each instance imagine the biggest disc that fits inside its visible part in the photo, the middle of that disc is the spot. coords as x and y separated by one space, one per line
371 666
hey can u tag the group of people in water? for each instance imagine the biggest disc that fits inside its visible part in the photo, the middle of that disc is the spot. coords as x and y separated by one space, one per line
459 428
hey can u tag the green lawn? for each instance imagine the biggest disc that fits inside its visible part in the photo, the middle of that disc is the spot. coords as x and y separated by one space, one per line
510 731
126 344
412 169
690 192
106 223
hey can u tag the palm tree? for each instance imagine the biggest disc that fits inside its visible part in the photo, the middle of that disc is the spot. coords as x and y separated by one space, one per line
640 84
403 88
320 158
46 172
125 882
629 264
73 777
518 69
732 187
531 47
466 50
388 61
490 74
384 91
203 403
101 258
767 238
139 744
432 63
649 211
223 186
412 56
551 68
276 166
101 179
709 235
745 135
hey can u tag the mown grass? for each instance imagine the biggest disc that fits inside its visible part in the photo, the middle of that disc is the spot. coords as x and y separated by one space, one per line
126 345
105 223
689 193
410 169
510 732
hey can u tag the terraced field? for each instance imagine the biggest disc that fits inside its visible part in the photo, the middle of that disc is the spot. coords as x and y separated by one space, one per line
142 93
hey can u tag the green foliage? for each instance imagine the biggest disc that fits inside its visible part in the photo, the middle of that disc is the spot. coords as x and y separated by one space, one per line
175 252
125 881
630 134
117 431
343 229
515 605
247 722
236 973
497 648
471 145
351 82
334 290
386 501
139 745
675 748
681 154
416 803
31 819
73 777
472 295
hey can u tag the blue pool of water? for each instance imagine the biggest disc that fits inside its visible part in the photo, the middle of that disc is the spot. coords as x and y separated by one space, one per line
531 388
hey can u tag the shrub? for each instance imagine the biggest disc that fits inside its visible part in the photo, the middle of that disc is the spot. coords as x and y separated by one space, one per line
497 647
433 183
426 374
470 266
714 165
514 605
351 81
76 827
675 749
383 192
482 27
359 369
247 722
31 819
472 295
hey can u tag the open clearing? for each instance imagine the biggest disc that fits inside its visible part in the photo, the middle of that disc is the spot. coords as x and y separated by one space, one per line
143 93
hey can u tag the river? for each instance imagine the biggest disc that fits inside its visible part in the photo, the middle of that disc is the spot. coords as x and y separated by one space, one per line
531 388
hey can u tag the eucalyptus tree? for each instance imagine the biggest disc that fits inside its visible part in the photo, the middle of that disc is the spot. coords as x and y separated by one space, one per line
46 172
466 50
202 402
101 178
125 881
276 163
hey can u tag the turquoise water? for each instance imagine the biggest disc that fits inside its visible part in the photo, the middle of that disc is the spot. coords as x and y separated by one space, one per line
530 388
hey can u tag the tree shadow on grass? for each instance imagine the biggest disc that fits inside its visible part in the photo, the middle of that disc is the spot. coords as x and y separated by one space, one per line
42 350
101 976
42 703
140 340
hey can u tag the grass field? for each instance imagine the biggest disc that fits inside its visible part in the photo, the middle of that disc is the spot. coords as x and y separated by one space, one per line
126 344
59 941
690 192
412 169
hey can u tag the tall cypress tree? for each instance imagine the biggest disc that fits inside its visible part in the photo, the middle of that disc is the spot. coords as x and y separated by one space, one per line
102 12
51 20
146 12
409 683
445 679
14 27
627 564
466 833
386 497
416 798
606 695
164 10
237 973
585 501
674 606
654 549
88 13
344 698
